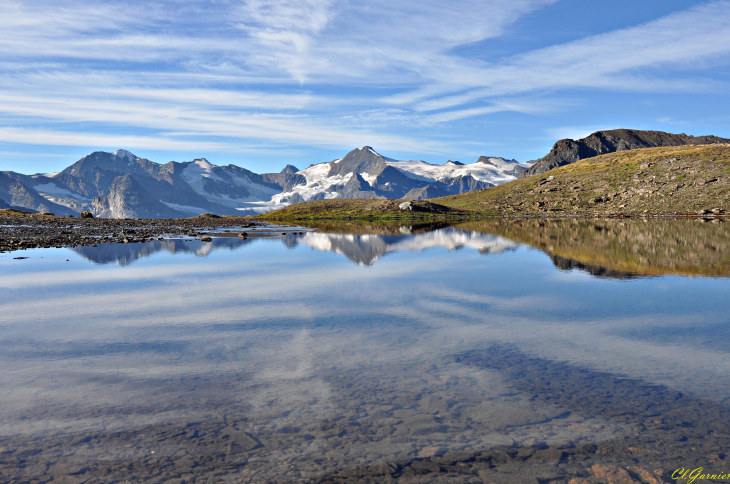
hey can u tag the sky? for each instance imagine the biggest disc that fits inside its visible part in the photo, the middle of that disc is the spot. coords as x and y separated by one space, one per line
265 83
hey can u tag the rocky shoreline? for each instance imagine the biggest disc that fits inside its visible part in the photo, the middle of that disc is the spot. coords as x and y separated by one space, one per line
19 231
23 231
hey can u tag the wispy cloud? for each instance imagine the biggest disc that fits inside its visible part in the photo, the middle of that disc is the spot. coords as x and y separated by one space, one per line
326 73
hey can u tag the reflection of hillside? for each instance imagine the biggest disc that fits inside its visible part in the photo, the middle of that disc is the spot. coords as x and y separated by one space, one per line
623 248
125 254
604 248
366 249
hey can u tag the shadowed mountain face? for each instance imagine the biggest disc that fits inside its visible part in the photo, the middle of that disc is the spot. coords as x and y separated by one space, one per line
363 160
567 151
23 197
128 199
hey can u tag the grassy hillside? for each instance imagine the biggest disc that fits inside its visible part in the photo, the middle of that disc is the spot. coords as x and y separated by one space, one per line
362 208
658 181
678 180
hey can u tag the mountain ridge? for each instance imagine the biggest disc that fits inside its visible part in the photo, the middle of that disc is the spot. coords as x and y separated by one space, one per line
120 184
567 151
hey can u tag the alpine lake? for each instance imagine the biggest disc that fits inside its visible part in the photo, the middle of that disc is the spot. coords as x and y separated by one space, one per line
493 351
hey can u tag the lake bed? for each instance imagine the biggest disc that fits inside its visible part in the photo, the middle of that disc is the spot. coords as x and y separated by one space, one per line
494 351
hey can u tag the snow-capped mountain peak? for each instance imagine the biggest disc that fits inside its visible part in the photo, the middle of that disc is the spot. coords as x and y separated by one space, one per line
204 164
125 154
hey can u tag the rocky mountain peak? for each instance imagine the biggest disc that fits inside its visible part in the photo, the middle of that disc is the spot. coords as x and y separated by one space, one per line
567 151
122 153
359 160
289 170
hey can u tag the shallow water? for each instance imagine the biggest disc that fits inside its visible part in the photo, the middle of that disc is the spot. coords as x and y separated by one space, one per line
491 351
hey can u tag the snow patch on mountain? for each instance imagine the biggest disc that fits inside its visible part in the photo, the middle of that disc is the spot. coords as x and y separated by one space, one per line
184 208
319 185
420 170
55 190
125 154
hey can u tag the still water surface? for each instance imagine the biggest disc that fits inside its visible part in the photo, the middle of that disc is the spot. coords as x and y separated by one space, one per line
487 352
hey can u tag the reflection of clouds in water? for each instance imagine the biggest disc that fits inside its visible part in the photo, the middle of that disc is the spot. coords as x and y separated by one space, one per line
296 344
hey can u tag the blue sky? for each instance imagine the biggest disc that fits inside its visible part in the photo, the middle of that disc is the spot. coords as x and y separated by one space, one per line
263 83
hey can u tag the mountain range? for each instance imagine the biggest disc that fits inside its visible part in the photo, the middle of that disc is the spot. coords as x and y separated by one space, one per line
122 185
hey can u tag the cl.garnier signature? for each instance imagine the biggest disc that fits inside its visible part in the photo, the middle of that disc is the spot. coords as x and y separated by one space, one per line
697 474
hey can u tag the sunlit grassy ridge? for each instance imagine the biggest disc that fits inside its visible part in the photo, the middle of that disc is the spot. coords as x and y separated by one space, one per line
362 208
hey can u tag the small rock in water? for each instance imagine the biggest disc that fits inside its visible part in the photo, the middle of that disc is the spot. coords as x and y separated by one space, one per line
431 452
242 235
206 239
406 206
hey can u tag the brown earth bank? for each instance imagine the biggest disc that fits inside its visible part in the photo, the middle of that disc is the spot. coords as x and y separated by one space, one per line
669 181
623 247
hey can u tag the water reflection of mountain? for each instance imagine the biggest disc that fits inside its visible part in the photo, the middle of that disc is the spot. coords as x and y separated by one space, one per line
621 248
617 249
366 249
125 254
362 249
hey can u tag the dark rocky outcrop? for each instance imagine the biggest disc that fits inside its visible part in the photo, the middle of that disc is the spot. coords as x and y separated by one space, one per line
289 170
567 151
463 184
285 181
392 183
357 187
423 193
